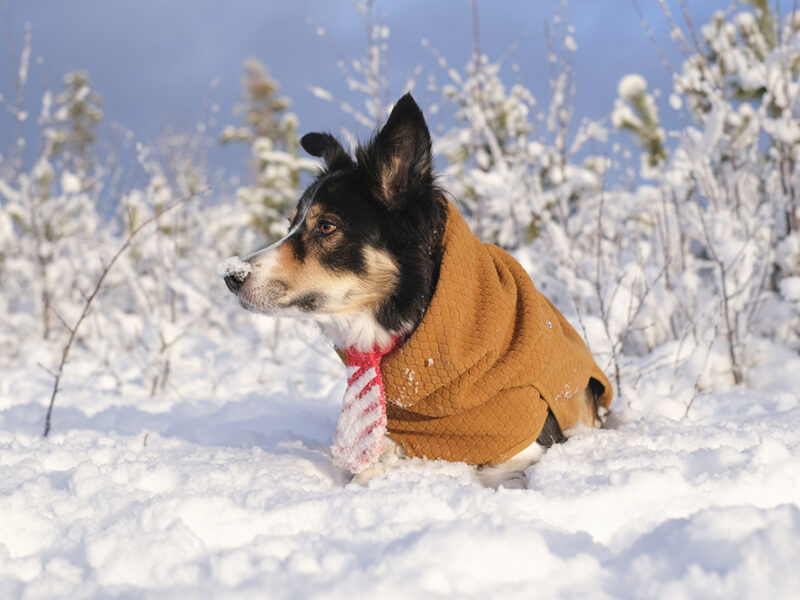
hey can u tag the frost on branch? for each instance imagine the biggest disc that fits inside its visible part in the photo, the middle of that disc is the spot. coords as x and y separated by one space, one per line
636 111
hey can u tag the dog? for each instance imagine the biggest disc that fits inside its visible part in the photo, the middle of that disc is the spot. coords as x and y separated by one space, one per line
452 353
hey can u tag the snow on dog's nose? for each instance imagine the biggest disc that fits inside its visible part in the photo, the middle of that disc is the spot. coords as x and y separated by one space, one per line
258 281
234 270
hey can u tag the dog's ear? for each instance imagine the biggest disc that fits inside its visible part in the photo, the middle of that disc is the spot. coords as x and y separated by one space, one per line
398 160
327 147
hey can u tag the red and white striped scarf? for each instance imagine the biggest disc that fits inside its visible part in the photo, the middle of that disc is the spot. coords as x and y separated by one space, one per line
358 441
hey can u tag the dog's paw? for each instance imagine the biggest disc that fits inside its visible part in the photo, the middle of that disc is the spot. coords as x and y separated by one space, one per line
602 415
497 478
391 456
368 474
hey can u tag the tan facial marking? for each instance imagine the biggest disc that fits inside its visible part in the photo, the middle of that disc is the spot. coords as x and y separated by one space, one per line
343 292
285 279
381 277
313 214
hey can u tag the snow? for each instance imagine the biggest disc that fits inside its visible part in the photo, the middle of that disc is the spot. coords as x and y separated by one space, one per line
235 494
190 454
631 86
790 288
234 266
321 93
25 59
70 183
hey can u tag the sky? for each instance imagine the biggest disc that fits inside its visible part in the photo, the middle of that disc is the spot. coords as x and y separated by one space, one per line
154 61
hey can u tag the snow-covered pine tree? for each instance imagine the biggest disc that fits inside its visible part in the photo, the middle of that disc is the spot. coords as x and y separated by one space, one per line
75 117
271 131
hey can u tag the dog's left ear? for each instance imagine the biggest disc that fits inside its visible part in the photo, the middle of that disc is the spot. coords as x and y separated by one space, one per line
398 160
328 148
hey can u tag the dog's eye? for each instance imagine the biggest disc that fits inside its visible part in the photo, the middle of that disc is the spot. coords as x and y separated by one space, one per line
326 228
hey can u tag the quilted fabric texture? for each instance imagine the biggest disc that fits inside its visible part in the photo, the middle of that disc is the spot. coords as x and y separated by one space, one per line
475 379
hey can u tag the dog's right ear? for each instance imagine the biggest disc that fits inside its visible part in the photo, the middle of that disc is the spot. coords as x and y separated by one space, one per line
398 159
328 148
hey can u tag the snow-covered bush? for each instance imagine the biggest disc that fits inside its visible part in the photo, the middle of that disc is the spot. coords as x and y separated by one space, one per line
513 169
728 219
52 209
367 75
64 217
636 111
271 132
694 252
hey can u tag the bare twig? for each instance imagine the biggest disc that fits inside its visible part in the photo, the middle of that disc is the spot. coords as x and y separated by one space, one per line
687 17
19 67
476 35
61 319
653 41
700 374
730 333
675 31
87 305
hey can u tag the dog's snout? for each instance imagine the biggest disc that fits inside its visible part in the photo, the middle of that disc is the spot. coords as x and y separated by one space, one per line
234 282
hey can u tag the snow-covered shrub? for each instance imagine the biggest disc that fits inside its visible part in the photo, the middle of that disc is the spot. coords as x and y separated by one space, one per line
681 265
72 121
728 221
64 217
636 111
271 132
366 75
52 207
511 168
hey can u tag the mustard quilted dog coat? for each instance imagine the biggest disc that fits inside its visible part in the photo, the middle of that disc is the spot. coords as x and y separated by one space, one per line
474 381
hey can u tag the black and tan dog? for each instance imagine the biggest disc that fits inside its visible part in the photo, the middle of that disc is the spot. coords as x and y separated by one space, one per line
453 353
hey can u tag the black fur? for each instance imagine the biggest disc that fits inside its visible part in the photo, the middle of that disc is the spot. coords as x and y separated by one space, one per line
551 432
327 147
298 247
397 163
398 159
388 199
307 302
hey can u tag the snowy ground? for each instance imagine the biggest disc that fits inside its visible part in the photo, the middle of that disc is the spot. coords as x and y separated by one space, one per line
225 489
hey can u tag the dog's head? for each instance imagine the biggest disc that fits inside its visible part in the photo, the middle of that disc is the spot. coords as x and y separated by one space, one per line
365 238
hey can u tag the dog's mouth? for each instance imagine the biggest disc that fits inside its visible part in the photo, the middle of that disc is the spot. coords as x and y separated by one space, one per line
275 297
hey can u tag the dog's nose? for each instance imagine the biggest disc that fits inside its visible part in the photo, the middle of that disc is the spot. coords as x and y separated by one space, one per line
234 283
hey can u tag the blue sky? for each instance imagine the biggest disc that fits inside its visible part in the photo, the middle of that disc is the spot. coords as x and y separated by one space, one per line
154 60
